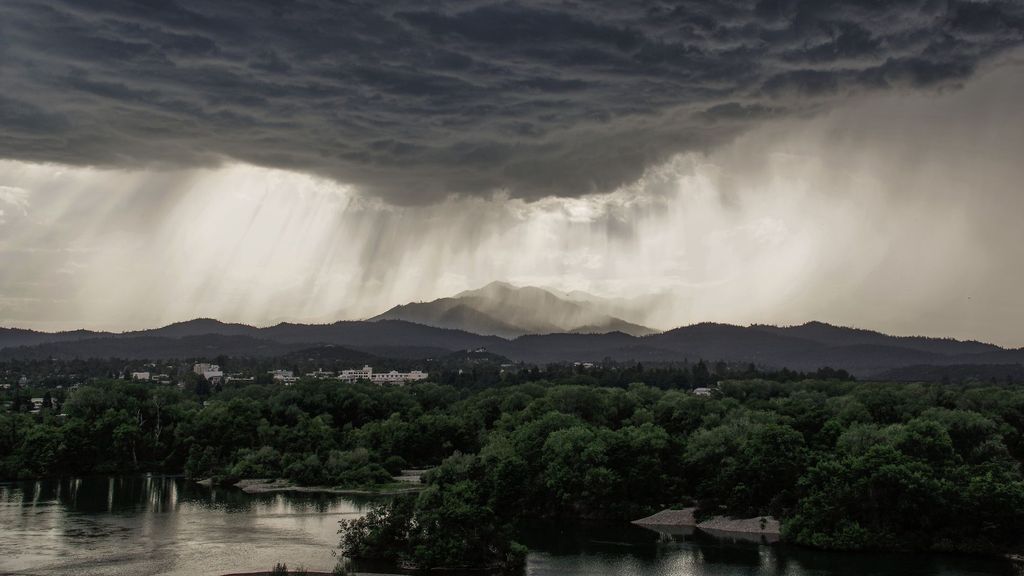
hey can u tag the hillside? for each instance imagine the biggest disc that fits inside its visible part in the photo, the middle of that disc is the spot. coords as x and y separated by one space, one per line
863 353
152 348
806 347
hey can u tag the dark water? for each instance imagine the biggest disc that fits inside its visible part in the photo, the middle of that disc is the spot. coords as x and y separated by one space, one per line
156 525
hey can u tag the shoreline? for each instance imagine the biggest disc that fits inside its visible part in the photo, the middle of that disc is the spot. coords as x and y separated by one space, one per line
267 486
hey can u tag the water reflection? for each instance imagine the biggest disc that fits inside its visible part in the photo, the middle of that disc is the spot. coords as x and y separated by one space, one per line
162 525
598 548
158 525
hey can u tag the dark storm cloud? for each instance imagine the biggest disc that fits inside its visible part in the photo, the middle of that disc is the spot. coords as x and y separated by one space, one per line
414 100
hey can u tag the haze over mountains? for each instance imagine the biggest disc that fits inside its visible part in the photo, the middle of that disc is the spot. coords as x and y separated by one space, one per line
403 332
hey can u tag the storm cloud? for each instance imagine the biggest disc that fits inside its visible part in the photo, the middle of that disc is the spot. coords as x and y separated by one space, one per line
898 212
415 101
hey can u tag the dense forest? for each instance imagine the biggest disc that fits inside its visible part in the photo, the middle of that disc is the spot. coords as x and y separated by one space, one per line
845 465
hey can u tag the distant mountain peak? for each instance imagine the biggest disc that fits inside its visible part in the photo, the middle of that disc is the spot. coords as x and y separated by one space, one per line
503 309
197 327
195 322
500 284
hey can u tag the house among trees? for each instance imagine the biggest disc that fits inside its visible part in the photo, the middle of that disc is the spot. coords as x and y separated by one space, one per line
210 372
286 377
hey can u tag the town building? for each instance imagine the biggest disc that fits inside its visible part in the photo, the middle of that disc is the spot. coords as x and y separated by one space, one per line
286 377
211 372
355 375
320 374
140 376
201 367
392 377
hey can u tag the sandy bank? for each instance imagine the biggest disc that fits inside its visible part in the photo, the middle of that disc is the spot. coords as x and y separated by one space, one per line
676 518
685 518
760 525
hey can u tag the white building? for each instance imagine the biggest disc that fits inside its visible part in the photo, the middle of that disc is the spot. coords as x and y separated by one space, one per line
702 391
285 377
392 377
355 375
211 372
320 374
201 367
140 376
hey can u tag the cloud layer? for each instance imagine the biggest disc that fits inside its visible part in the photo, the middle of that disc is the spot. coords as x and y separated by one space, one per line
414 101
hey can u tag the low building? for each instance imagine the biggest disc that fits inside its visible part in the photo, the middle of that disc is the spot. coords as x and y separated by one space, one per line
140 376
355 375
210 372
702 391
392 377
320 374
201 367
286 377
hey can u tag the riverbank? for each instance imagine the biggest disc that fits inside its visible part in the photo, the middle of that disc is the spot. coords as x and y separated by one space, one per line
295 571
765 527
266 486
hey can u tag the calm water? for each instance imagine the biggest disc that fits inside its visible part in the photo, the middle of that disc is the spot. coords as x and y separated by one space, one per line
156 525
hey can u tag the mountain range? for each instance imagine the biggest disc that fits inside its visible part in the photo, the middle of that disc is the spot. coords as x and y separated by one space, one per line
480 319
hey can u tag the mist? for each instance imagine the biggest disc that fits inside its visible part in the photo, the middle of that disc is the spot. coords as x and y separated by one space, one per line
897 212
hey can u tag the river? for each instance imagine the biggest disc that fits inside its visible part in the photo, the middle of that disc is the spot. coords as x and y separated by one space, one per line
155 525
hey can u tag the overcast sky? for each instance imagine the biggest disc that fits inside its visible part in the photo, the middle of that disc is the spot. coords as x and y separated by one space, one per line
857 162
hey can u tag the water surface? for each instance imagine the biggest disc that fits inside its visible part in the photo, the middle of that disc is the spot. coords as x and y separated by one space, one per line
154 525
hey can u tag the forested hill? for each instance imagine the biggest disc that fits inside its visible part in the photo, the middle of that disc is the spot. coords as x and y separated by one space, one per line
805 347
